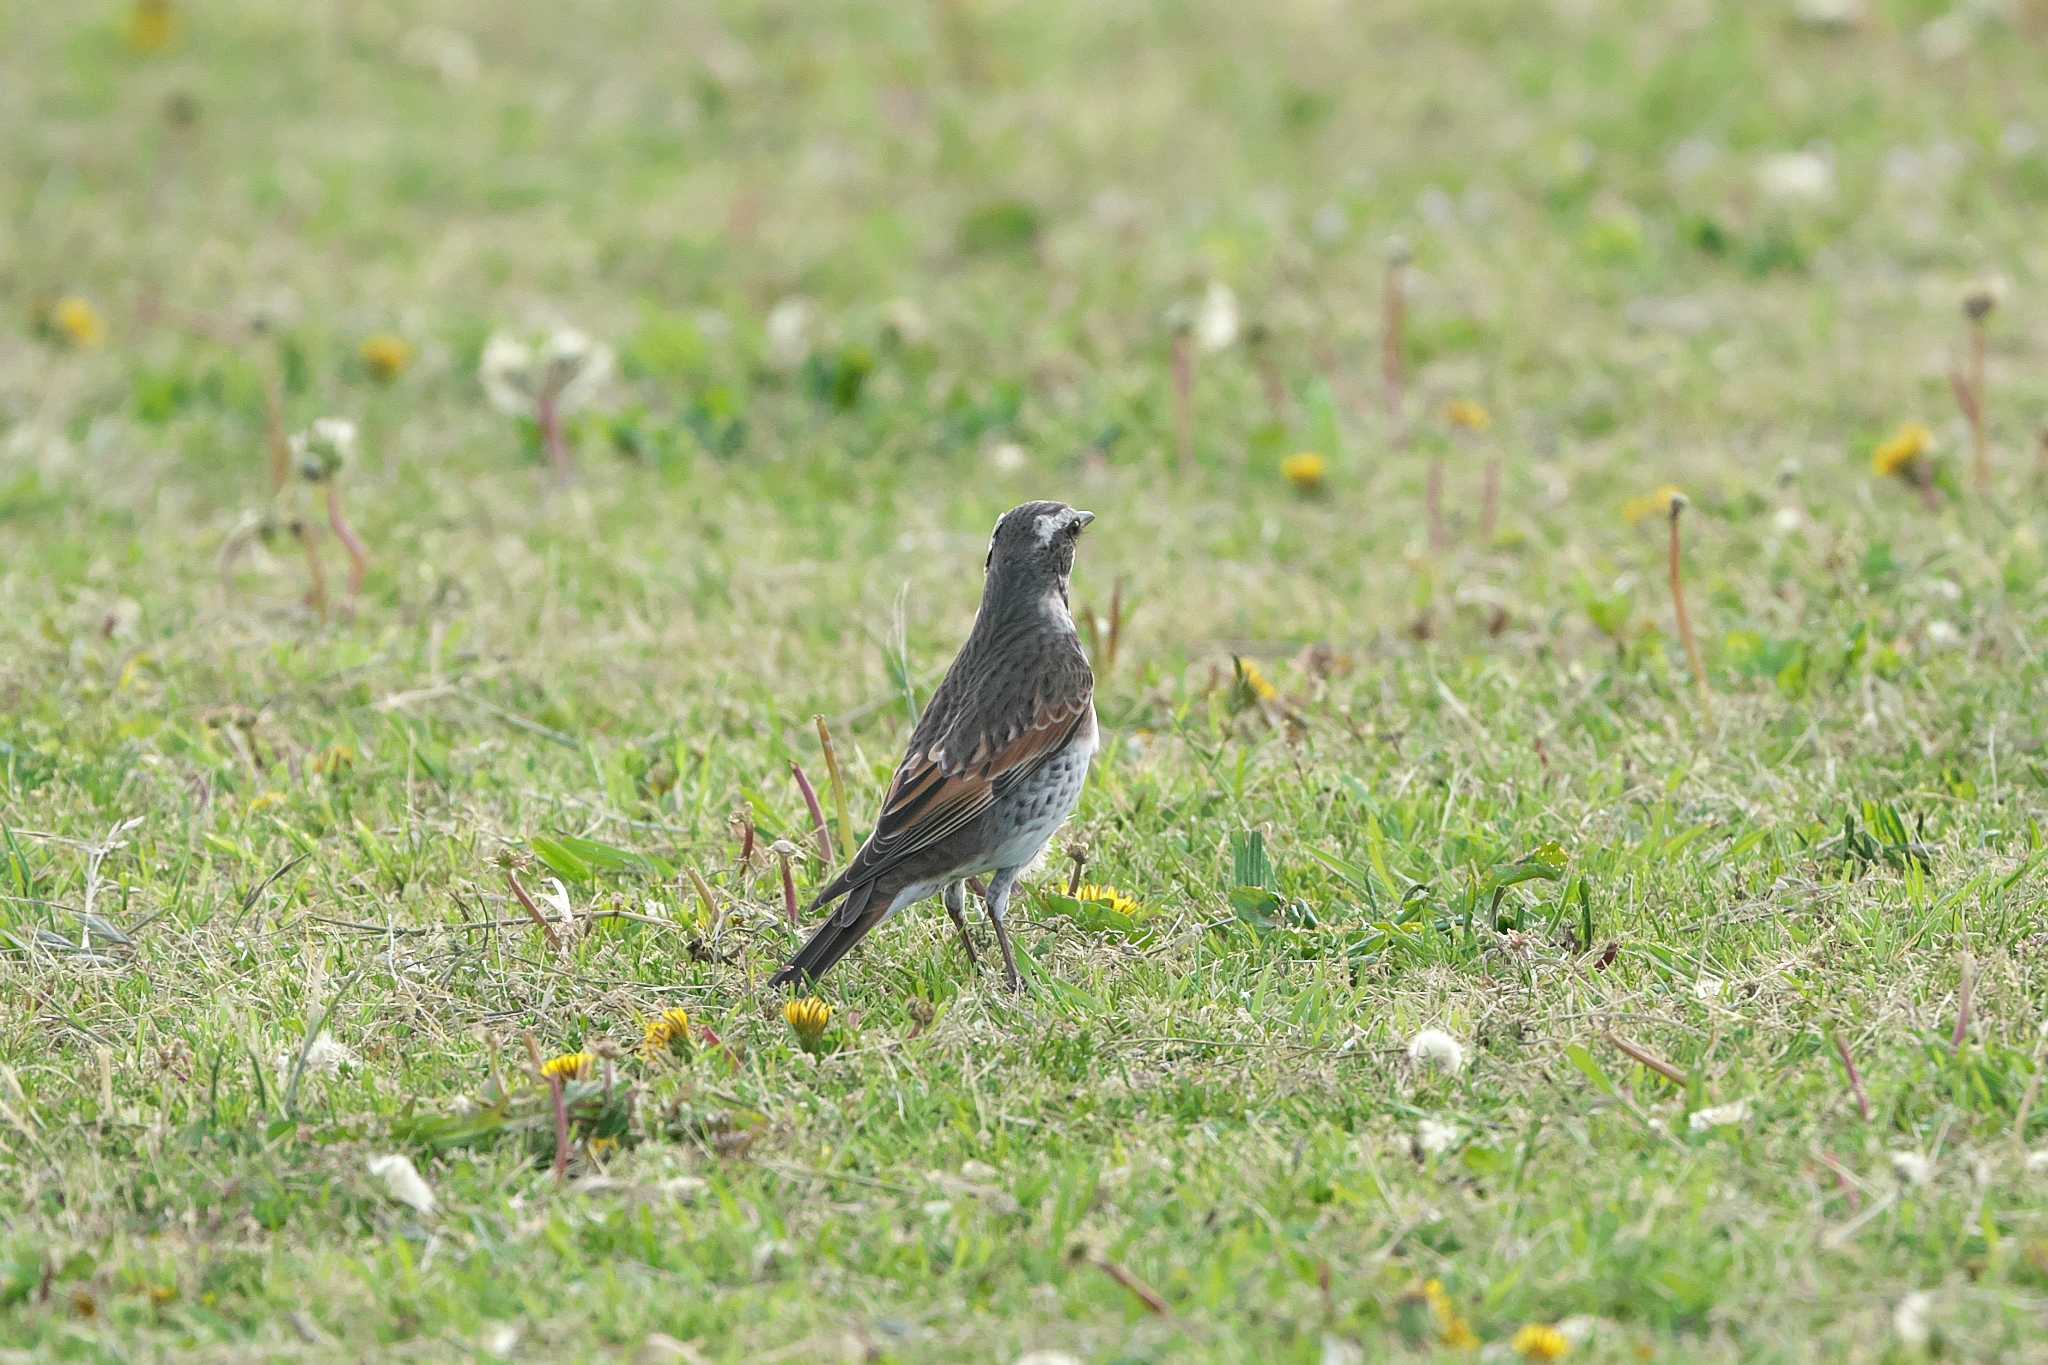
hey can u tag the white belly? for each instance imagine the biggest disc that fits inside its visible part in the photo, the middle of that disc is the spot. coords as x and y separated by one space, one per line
1031 812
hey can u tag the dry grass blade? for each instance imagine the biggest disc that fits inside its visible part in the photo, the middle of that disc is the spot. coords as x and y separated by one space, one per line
1648 1058
1685 631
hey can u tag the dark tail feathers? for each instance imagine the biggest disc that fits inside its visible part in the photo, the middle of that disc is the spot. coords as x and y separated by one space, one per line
834 939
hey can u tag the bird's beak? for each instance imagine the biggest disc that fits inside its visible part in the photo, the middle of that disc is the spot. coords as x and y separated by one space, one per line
1083 518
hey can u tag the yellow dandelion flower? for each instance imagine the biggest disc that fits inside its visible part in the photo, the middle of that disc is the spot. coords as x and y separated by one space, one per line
809 1017
385 356
76 323
151 25
1452 1330
1306 470
603 1146
1098 894
1655 503
1900 455
1463 412
333 759
1252 682
570 1066
259 804
668 1033
1541 1341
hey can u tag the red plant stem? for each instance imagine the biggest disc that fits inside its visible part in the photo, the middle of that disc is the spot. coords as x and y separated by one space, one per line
788 893
1692 645
803 784
555 1089
554 939
1080 866
358 557
316 594
1143 1292
549 418
1855 1078
1648 1059
1184 398
746 840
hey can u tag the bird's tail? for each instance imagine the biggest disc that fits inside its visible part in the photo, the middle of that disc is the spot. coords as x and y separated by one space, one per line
864 907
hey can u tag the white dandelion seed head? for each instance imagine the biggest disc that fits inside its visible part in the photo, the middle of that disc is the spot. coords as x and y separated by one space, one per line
401 1181
573 367
1804 177
1718 1116
789 328
1434 1137
1216 321
1434 1047
1912 1168
324 447
1910 1318
1828 13
2036 1162
509 375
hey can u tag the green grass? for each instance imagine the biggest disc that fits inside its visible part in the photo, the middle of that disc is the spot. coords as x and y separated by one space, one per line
294 823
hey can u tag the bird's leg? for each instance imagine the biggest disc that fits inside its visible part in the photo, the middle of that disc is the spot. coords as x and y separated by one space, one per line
998 904
956 906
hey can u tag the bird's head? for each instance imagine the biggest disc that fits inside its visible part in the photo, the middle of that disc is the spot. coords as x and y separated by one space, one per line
1032 550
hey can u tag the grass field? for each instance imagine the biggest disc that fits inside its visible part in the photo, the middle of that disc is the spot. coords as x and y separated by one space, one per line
873 273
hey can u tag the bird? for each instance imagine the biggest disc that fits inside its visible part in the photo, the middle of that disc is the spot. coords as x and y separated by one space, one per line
996 763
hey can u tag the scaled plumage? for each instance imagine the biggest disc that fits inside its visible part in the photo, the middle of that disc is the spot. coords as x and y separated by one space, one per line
998 759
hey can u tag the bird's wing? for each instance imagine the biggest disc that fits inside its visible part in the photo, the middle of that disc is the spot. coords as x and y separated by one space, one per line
972 743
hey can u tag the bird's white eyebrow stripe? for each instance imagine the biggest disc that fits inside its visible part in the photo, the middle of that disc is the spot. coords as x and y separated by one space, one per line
1047 526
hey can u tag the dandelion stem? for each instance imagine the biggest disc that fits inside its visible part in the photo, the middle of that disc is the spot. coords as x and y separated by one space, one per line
316 593
788 886
838 781
1692 645
547 414
274 434
556 1087
1648 1059
1184 399
703 890
803 784
1855 1078
746 824
532 910
358 557
1144 1293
